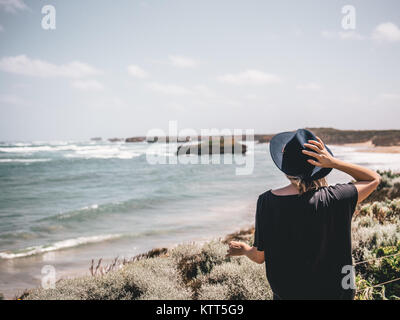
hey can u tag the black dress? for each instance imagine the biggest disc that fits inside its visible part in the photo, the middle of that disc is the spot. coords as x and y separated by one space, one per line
306 241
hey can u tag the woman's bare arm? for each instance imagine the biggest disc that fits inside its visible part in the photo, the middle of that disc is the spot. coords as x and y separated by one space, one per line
367 180
243 249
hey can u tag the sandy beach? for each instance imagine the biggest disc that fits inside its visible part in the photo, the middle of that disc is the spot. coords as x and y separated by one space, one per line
370 147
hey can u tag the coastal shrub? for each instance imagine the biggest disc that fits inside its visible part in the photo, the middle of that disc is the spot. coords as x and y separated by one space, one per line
381 271
388 269
376 225
159 279
193 260
214 292
244 235
113 286
376 233
366 291
388 188
387 211
153 278
239 279
367 239
387 177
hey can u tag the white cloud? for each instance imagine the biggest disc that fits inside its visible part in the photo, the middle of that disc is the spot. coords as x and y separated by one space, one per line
204 91
178 90
342 35
350 35
88 85
298 32
11 99
169 89
1 28
137 71
251 97
328 34
311 86
390 96
24 65
183 62
13 5
102 103
176 106
250 77
386 32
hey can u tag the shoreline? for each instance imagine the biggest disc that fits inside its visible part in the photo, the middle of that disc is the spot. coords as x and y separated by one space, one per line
369 147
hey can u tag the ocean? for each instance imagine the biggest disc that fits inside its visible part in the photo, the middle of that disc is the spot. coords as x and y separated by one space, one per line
64 203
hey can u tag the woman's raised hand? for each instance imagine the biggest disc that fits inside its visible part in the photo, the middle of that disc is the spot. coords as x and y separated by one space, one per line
322 157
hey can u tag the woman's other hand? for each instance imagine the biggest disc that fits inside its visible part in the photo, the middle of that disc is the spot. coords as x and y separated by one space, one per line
237 249
243 249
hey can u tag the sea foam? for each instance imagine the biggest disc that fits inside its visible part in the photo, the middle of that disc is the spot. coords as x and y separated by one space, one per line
64 244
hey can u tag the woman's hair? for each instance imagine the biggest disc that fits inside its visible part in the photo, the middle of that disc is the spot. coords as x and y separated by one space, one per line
304 186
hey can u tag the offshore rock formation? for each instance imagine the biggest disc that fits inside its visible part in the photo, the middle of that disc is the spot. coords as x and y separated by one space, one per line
135 139
213 146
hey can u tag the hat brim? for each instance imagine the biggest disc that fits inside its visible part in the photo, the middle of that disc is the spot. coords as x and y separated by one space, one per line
276 145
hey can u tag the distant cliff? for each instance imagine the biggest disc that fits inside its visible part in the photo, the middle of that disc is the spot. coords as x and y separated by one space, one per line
377 137
328 135
335 136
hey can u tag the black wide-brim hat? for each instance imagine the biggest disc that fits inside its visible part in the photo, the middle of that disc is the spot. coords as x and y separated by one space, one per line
286 152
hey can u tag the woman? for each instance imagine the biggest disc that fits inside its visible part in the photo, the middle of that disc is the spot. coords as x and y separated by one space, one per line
303 230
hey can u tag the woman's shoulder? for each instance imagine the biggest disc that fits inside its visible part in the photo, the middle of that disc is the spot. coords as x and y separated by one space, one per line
264 195
337 193
338 189
263 198
275 194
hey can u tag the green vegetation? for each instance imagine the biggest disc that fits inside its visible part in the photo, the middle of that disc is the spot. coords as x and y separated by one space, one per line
193 271
381 271
376 234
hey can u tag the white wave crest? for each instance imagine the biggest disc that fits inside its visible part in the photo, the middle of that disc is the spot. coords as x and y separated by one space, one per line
24 160
98 151
65 244
104 154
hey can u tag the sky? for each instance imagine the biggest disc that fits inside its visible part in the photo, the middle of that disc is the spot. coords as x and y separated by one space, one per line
122 68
